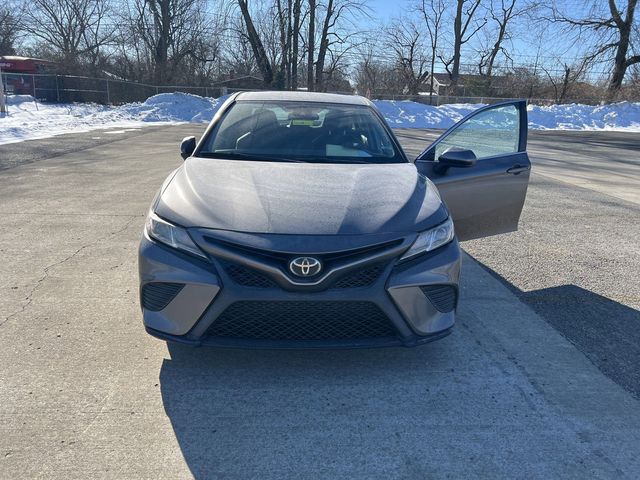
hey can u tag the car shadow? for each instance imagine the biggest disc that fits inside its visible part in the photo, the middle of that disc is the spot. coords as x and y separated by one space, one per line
605 331
270 413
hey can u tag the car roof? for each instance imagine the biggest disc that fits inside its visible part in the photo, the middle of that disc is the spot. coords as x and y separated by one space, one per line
293 96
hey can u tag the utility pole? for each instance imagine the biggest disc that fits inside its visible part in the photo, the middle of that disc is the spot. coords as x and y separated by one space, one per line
3 106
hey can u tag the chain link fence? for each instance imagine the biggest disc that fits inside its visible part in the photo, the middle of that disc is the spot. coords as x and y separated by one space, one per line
69 89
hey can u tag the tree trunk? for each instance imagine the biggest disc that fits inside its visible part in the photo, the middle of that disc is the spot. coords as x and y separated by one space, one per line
256 45
565 83
289 40
324 46
457 43
621 63
496 49
294 53
283 76
311 46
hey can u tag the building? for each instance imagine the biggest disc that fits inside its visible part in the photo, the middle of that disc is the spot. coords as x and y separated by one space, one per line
18 73
468 84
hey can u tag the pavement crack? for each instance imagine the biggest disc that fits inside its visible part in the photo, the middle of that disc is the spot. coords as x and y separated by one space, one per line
47 269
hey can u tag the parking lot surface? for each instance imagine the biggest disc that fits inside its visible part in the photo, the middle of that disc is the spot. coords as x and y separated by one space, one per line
513 392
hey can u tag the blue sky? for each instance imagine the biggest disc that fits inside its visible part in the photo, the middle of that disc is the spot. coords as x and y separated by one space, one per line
555 51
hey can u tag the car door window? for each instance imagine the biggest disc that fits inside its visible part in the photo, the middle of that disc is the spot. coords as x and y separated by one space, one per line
492 132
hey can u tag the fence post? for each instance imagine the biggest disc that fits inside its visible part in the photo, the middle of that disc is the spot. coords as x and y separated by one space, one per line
108 98
3 108
206 92
33 81
57 90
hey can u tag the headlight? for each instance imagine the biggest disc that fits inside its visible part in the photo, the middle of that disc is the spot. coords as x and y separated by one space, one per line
171 235
431 239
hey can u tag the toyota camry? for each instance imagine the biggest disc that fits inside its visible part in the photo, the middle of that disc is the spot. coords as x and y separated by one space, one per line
298 221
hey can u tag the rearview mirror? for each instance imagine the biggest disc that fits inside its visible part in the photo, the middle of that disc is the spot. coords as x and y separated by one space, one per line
455 158
187 147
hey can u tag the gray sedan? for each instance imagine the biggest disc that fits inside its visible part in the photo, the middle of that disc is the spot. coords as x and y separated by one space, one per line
297 221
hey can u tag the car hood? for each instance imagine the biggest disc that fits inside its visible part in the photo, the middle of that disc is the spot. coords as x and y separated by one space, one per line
300 198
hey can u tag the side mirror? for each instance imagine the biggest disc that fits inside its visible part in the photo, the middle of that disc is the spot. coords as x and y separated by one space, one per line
454 158
187 147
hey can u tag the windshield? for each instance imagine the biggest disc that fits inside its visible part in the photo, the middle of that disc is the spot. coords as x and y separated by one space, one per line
301 131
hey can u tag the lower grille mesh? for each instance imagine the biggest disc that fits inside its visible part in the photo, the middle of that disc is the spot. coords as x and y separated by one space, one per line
443 297
157 295
359 278
248 277
299 320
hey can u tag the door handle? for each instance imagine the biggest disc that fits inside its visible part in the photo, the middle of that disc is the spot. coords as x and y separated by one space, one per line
517 169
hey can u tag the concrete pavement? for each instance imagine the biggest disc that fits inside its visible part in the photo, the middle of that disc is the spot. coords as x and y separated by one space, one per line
85 393
576 256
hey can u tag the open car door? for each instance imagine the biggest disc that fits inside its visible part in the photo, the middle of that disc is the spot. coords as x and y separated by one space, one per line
481 168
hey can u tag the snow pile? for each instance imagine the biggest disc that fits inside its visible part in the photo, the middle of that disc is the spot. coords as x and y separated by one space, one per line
407 114
173 107
615 116
623 116
28 119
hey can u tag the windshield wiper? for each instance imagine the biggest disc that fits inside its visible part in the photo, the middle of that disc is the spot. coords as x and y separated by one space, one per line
249 156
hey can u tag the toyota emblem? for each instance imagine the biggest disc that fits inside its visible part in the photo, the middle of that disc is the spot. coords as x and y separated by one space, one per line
305 266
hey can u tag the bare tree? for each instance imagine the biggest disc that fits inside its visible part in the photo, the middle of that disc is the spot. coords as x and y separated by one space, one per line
329 21
501 12
562 84
273 30
72 28
237 53
405 40
311 43
256 44
465 25
295 41
432 12
375 75
368 73
166 41
615 30
9 28
334 37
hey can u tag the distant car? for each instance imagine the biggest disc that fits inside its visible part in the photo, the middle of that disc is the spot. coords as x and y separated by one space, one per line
297 221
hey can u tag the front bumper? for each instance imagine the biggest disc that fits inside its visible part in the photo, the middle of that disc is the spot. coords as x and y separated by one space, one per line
206 292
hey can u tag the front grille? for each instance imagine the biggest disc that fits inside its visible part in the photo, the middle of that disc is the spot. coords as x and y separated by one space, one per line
300 320
359 278
248 277
442 297
157 295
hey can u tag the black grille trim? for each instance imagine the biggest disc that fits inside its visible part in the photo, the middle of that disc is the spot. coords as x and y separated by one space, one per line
302 320
157 295
443 297
284 257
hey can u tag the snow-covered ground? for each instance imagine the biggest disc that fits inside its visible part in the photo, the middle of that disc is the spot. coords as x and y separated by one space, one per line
623 116
28 119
